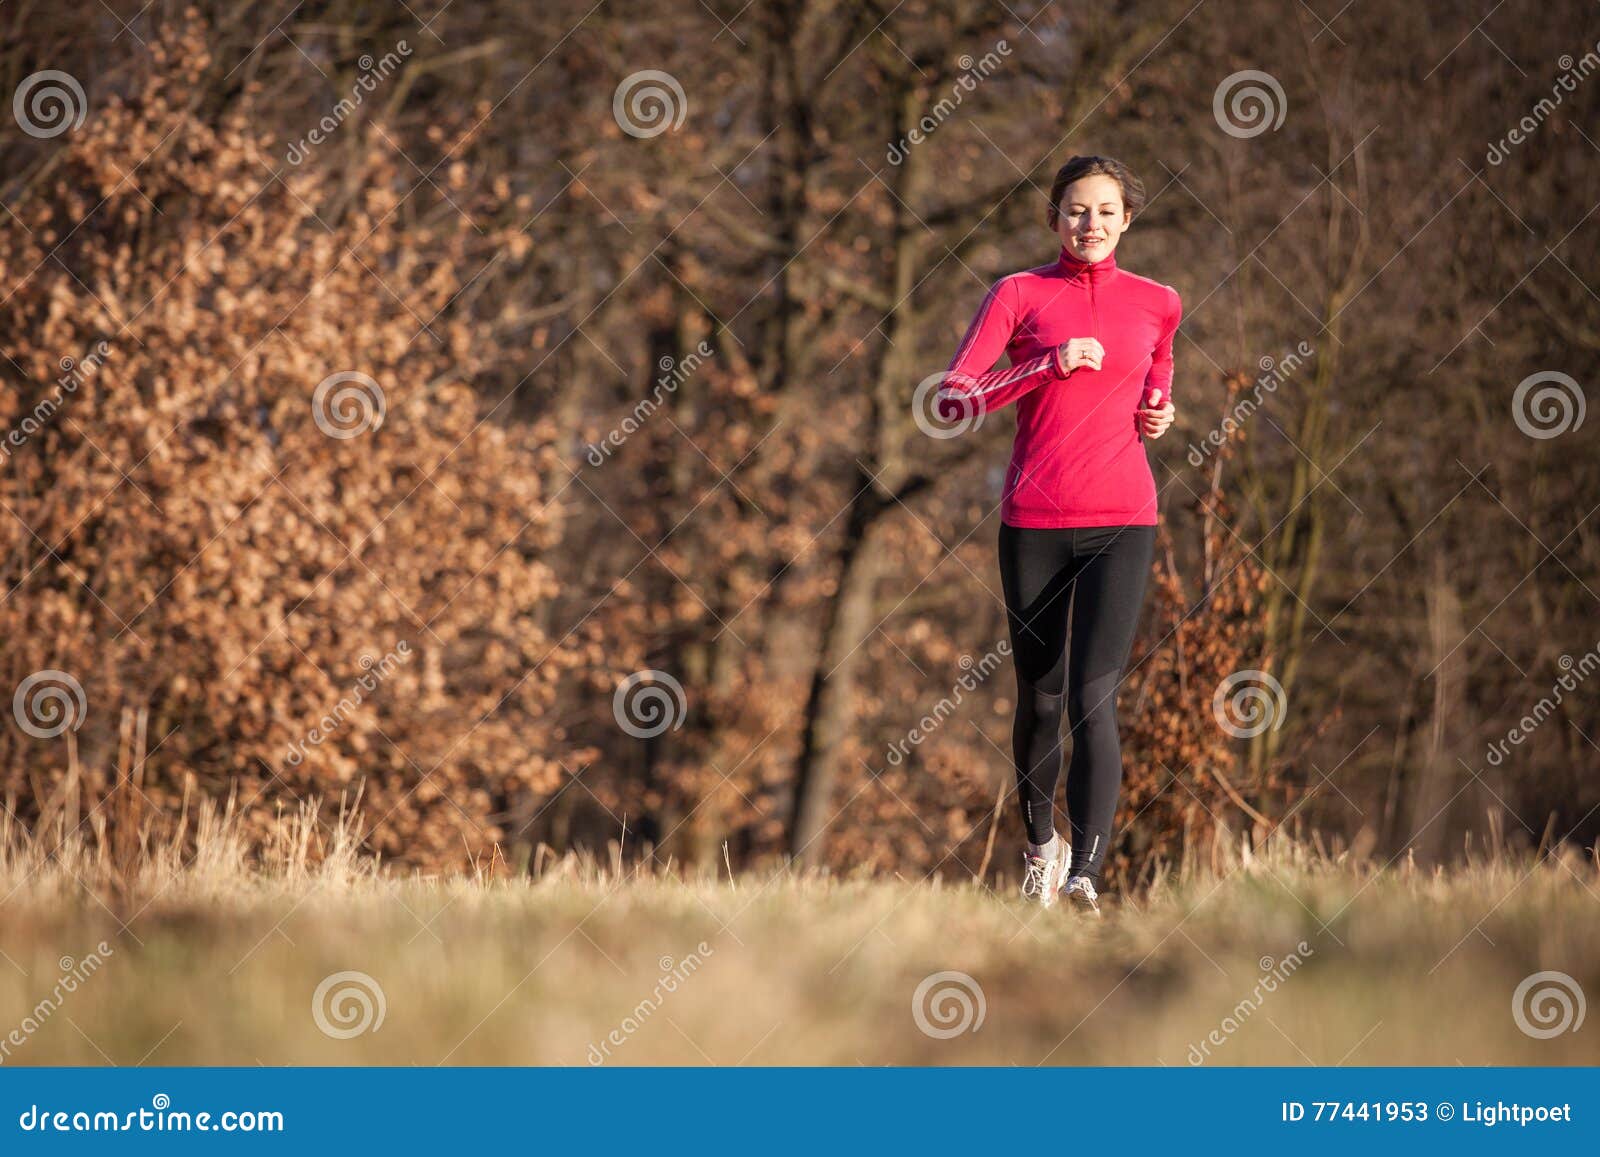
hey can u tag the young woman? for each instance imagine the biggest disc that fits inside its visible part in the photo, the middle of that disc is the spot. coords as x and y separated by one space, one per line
1090 347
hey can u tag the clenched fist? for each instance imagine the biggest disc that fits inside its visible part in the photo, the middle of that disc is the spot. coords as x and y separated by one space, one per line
1082 352
1154 417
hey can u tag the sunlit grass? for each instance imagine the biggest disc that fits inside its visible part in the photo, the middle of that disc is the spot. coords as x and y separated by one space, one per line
216 960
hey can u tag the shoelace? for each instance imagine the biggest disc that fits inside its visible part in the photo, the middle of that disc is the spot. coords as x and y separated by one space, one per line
1037 878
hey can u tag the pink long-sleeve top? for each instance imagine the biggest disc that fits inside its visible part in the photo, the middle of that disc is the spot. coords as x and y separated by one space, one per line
1078 458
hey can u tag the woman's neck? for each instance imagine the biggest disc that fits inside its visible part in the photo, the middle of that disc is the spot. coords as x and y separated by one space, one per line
1075 267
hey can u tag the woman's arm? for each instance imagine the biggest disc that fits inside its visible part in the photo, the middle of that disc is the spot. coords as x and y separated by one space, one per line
970 385
1156 412
1160 375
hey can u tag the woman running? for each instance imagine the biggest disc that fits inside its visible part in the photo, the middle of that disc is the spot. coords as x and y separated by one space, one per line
1090 347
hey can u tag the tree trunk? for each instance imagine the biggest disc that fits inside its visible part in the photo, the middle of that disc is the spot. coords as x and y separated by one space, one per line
828 714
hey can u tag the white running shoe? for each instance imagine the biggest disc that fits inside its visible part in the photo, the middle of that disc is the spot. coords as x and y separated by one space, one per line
1043 876
1081 895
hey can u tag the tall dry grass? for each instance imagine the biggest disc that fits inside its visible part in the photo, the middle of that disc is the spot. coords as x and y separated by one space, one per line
217 948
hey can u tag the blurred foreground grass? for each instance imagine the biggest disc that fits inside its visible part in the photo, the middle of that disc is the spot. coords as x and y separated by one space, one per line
212 962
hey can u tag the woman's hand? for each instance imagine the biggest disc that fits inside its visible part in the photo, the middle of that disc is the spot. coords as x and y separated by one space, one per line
1082 353
1154 418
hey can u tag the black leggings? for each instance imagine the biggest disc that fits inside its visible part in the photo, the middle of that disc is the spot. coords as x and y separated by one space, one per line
1097 574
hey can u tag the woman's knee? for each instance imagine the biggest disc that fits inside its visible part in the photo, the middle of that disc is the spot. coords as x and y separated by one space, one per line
1092 701
1040 702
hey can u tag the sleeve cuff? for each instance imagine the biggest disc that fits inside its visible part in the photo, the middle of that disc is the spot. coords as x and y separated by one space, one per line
1061 366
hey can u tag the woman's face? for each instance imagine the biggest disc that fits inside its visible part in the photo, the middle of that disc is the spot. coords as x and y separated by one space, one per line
1091 217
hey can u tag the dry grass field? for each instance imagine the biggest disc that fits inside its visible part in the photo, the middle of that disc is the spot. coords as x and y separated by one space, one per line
1292 959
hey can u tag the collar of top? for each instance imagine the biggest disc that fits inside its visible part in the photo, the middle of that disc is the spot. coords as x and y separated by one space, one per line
1088 272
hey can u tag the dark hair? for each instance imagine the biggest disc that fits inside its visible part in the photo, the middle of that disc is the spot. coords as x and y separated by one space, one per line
1079 167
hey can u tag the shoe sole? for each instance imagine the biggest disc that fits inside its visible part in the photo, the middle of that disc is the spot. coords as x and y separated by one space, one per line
1079 904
